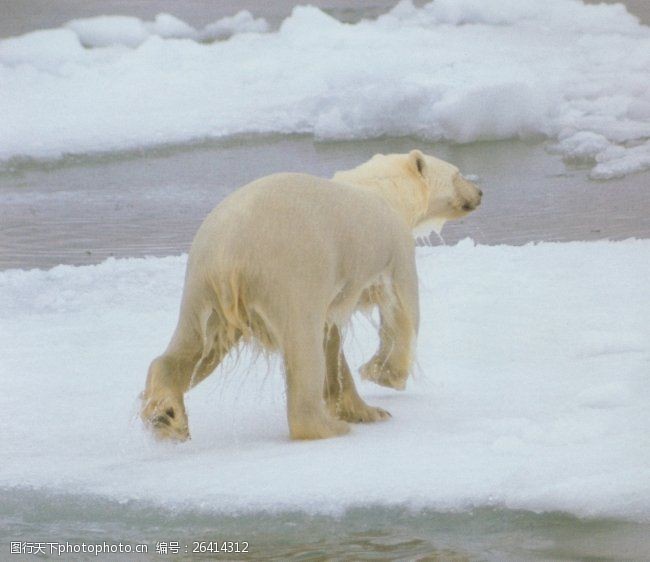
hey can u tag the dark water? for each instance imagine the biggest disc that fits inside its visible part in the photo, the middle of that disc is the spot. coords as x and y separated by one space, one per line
81 210
371 533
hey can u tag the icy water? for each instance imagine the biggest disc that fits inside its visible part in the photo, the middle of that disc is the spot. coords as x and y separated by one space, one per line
83 209
361 534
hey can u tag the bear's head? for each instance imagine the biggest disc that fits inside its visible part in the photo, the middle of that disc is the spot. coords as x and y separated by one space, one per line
424 190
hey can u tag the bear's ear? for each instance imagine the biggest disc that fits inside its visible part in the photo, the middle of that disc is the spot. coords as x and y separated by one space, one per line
417 162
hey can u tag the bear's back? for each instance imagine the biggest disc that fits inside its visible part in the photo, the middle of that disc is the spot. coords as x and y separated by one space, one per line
301 224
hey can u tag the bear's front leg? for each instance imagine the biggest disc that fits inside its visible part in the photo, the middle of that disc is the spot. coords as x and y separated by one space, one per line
304 359
399 313
391 364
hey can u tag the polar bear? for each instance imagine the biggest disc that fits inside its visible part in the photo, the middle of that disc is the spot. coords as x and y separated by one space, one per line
286 260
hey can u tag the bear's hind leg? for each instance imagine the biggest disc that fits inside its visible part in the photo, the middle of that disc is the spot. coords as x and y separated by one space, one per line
219 339
341 396
304 359
189 359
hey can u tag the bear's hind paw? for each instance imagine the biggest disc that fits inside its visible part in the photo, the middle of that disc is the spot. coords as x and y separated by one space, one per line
360 413
318 427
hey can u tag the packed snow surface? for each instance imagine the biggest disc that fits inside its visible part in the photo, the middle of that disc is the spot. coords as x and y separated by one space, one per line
460 70
531 392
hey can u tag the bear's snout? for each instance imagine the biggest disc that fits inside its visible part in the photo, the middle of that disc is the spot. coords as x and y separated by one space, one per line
468 194
474 202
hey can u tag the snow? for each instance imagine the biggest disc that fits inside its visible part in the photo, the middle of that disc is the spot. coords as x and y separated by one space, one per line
63 47
170 27
105 31
531 392
127 31
241 22
459 70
